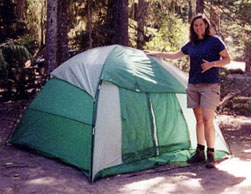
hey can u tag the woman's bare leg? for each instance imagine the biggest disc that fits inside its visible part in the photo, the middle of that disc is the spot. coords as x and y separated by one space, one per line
200 128
208 120
199 155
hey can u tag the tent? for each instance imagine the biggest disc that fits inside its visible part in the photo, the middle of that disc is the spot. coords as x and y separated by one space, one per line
112 110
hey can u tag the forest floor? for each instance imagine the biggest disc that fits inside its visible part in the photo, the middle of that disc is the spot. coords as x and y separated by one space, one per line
23 172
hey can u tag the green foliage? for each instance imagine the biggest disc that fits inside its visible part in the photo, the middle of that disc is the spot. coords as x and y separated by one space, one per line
3 63
12 45
13 54
100 24
236 26
173 33
16 50
13 49
16 47
170 37
35 16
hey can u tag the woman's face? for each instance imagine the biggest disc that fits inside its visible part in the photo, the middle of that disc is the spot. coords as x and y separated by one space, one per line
199 27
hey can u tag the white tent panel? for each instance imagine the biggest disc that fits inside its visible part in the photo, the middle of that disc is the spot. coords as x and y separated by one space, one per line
108 130
220 143
83 70
189 117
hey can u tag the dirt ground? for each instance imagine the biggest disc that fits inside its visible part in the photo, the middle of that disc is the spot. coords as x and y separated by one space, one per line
22 172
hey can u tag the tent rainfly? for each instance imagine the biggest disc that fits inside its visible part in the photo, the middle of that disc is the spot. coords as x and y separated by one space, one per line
113 110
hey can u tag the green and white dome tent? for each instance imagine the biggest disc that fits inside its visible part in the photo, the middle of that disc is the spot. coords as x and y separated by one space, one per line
112 110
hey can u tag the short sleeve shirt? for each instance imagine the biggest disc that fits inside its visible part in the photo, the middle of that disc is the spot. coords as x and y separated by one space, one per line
209 50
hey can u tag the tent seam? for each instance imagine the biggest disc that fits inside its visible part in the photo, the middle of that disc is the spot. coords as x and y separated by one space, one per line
33 109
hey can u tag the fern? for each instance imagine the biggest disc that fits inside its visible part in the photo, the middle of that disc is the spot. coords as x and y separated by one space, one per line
3 63
16 47
18 51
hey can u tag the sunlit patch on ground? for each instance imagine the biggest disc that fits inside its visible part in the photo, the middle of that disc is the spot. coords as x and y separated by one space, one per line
166 184
239 169
42 181
236 65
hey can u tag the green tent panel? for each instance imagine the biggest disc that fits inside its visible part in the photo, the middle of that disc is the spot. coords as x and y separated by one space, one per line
56 137
137 133
61 98
53 119
140 73
113 110
170 123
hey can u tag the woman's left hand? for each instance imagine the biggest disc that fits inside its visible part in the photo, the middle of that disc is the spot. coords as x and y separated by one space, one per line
206 65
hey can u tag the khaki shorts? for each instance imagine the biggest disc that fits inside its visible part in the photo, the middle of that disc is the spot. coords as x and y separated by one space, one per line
203 95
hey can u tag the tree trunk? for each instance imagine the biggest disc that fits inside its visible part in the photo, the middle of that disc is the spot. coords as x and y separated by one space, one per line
215 17
109 21
132 13
51 36
200 6
141 15
62 41
192 9
248 55
89 23
120 22
42 22
20 9
231 96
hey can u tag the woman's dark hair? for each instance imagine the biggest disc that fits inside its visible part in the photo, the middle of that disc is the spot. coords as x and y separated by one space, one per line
193 36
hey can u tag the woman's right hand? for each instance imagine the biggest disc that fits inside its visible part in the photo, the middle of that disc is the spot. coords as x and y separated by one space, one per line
176 55
151 53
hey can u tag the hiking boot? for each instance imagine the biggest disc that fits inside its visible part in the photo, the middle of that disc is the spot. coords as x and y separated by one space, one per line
210 160
198 157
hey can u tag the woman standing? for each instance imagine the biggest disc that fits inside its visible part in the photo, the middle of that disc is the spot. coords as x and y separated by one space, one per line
207 53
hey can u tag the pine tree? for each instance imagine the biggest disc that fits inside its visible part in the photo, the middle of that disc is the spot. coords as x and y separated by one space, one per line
51 35
120 22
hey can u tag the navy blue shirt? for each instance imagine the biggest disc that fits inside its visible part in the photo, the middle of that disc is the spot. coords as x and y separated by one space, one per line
209 50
